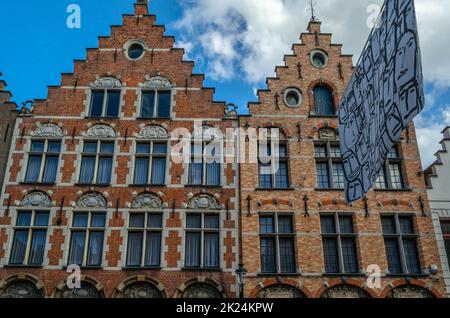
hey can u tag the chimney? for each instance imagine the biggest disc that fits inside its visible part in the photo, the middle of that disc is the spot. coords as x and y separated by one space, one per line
141 7
314 26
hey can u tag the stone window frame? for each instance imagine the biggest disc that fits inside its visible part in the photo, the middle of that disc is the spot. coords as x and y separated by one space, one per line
329 160
151 155
297 91
104 83
394 158
131 42
324 55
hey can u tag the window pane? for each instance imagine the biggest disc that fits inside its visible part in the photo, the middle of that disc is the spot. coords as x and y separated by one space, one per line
213 174
328 224
323 101
212 222
54 147
321 151
141 171
411 257
285 225
388 223
143 148
282 150
322 176
338 176
396 176
153 252
266 225
265 177
137 221
77 248
381 181
148 104
41 219
346 224
160 149
349 255
281 176
211 252
194 221
164 104
104 170
19 247
113 104
50 169
97 104
37 146
335 152
95 249
159 171
90 147
447 248
37 247
107 148
87 170
406 224
193 249
268 256
393 256
195 173
155 221
134 247
98 220
34 168
330 255
287 255
80 220
393 153
23 219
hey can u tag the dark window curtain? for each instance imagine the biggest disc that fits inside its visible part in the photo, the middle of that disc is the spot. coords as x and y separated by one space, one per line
213 174
338 176
34 167
447 248
95 249
104 170
322 176
411 257
141 171
87 169
153 249
268 256
211 253
287 255
51 169
281 176
349 255
195 173
164 104
97 104
37 247
77 248
19 247
148 105
193 242
331 255
323 101
158 171
265 180
134 256
393 256
23 219
113 104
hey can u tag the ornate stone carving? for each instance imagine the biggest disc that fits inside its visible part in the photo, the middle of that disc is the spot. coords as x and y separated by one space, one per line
327 134
36 199
106 82
100 131
21 289
280 291
156 82
141 290
409 291
48 130
231 111
154 132
207 133
147 200
345 291
204 201
87 290
201 290
92 200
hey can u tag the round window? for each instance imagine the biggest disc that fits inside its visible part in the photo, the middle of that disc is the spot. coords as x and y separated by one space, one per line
319 59
292 97
135 51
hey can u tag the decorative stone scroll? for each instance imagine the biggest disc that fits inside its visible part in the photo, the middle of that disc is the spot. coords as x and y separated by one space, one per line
201 290
156 82
92 200
327 134
87 290
410 291
48 131
106 82
154 132
280 291
36 199
100 131
204 201
21 289
141 290
147 200
345 291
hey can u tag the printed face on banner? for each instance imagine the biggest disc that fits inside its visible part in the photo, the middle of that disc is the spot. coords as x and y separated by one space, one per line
382 98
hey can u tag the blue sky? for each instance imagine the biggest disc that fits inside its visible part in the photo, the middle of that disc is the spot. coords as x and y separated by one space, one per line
236 43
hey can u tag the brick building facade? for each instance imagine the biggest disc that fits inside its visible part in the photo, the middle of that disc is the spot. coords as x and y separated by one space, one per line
89 182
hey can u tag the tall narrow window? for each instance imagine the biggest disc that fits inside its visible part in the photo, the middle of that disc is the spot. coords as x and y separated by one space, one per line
204 168
96 162
202 246
273 176
445 225
144 240
87 234
156 104
43 162
150 164
329 168
30 234
277 242
339 244
400 240
105 103
323 101
391 176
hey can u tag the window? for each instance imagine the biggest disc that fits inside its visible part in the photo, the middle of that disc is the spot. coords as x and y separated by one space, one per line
144 240
323 101
445 225
400 241
96 162
268 177
156 104
204 168
150 163
319 58
330 171
202 241
135 51
292 97
339 244
30 235
43 161
86 244
277 239
105 103
391 173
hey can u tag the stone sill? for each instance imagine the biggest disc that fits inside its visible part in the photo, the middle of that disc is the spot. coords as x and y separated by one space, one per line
275 189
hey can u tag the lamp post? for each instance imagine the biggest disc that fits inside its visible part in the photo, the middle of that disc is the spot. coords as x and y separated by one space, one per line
240 273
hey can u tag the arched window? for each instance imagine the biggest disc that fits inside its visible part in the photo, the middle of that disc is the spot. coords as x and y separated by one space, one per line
323 101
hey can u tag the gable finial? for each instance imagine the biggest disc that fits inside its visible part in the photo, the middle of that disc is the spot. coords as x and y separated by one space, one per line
312 9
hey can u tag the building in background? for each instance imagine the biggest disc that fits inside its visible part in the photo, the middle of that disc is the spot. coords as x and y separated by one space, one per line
438 181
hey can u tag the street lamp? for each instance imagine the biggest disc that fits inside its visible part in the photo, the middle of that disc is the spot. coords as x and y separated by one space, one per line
240 273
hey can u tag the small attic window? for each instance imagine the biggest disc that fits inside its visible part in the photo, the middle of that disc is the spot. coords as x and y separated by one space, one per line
135 51
319 59
292 97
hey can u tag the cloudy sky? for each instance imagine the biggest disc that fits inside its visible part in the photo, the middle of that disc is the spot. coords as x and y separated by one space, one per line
237 43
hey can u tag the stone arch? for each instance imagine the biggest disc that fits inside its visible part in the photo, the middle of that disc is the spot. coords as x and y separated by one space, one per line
345 291
92 200
36 199
48 130
90 288
140 287
284 132
106 82
156 81
100 131
203 201
280 290
409 291
22 285
201 287
153 132
147 200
